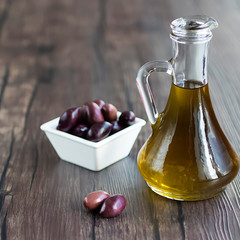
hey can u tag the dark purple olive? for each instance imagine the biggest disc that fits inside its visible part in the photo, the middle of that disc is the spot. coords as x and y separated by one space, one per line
83 115
127 118
116 127
68 119
80 130
113 206
109 112
99 131
99 102
94 200
93 114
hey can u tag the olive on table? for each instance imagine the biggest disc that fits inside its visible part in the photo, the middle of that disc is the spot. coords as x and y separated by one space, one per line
109 112
127 118
68 119
94 200
99 131
80 130
113 206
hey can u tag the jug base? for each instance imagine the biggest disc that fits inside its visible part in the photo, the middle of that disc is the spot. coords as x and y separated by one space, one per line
187 197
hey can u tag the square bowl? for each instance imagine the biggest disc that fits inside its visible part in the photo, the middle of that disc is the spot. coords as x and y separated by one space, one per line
94 156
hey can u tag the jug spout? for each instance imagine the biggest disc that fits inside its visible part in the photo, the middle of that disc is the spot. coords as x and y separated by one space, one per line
194 29
190 40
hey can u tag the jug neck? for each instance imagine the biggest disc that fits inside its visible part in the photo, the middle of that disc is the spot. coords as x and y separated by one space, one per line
189 63
190 39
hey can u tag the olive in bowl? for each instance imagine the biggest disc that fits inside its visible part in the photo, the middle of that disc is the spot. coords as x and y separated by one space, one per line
113 142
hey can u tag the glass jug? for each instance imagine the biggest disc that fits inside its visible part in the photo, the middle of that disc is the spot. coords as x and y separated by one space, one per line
187 157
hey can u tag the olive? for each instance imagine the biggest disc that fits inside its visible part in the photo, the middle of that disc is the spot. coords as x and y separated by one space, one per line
116 127
113 206
127 118
68 119
80 130
94 200
99 102
109 112
99 131
83 114
92 114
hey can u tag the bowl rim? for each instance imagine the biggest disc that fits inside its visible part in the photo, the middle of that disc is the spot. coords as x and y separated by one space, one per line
51 125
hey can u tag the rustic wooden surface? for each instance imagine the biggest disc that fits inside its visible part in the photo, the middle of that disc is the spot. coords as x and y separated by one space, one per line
55 54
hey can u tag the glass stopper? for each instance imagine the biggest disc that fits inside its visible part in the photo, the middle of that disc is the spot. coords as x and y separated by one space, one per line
193 28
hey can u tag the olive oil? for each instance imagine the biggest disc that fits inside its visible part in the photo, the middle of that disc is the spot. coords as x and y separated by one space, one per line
187 157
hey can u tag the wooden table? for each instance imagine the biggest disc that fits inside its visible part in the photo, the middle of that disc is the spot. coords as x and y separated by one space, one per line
55 54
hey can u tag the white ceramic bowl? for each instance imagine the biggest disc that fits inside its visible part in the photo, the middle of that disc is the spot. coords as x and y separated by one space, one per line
92 155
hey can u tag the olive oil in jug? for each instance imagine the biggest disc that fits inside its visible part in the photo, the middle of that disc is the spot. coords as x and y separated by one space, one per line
187 157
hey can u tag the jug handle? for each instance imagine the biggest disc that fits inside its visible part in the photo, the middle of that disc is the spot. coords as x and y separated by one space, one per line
144 88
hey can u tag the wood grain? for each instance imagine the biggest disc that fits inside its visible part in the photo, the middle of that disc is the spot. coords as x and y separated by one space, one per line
58 54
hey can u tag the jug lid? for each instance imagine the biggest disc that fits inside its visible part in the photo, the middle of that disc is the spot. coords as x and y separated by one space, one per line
195 28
